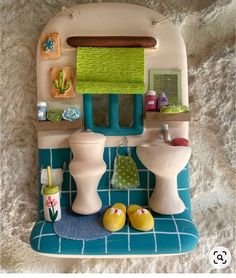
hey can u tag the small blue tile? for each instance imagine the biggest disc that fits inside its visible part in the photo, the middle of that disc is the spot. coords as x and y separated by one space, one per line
73 247
139 164
48 228
152 180
104 182
142 243
65 199
185 226
167 243
106 157
44 158
188 243
165 225
119 196
73 184
49 244
116 244
94 247
138 197
59 156
37 228
104 197
66 181
143 179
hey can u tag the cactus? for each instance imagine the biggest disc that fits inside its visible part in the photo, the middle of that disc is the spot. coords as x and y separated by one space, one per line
61 84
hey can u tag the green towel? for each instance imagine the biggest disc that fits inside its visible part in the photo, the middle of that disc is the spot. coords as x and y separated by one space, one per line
54 115
125 173
110 70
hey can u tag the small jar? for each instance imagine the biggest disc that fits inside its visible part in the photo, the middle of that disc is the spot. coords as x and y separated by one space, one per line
42 111
51 203
151 99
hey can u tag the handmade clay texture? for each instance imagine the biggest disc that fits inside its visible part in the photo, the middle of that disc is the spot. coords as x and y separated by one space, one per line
208 30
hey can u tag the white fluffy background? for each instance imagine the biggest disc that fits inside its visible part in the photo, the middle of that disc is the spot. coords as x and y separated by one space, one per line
208 29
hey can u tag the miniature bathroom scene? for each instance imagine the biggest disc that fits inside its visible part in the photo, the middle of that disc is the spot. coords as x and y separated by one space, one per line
113 119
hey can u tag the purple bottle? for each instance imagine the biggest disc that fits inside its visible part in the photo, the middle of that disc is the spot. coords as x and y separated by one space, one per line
161 100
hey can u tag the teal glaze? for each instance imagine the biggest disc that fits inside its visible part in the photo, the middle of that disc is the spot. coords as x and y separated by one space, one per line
173 234
114 129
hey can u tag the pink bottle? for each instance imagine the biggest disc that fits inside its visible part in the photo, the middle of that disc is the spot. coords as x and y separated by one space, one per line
151 99
161 101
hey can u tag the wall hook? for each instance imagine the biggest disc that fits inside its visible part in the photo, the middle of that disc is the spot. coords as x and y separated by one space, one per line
156 22
72 14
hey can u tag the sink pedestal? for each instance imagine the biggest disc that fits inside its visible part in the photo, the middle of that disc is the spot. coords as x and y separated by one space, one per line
165 198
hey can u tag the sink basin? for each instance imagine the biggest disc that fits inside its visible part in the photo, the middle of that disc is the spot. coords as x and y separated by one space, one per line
165 161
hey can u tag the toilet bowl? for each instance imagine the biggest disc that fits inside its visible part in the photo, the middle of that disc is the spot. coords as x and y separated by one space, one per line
87 168
165 161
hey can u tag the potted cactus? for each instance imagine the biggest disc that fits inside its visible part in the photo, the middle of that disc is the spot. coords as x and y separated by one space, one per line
61 84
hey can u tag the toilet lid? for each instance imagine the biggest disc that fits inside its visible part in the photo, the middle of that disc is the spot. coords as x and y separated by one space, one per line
87 137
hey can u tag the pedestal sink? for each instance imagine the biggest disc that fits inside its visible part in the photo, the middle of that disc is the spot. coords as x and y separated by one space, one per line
165 161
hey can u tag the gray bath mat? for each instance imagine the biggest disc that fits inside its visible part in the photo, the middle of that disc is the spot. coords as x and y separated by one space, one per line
81 227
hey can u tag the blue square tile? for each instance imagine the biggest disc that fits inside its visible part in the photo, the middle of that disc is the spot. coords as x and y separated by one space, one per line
44 158
188 243
152 180
138 163
167 243
185 226
66 182
183 178
59 156
49 244
37 228
138 197
71 246
104 181
119 196
164 225
95 247
116 244
142 243
143 179
104 197
106 157
73 184
48 228
65 199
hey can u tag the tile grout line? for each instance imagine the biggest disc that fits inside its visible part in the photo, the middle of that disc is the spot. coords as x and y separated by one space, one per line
44 235
136 233
83 247
40 235
128 231
155 239
59 247
70 180
178 234
109 181
106 245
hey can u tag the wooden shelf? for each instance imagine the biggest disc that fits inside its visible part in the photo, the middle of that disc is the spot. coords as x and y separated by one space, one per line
158 116
62 125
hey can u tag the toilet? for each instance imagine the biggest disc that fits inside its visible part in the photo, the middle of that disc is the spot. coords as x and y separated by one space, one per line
87 168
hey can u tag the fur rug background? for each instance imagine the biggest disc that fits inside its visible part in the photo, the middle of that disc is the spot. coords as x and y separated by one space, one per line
208 30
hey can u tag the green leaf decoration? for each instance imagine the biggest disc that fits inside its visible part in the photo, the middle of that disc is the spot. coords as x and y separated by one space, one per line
61 84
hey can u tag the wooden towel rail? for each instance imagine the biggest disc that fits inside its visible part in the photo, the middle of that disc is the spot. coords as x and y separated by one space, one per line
112 41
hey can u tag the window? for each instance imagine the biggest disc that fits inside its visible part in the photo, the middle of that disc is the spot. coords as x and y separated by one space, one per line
114 114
